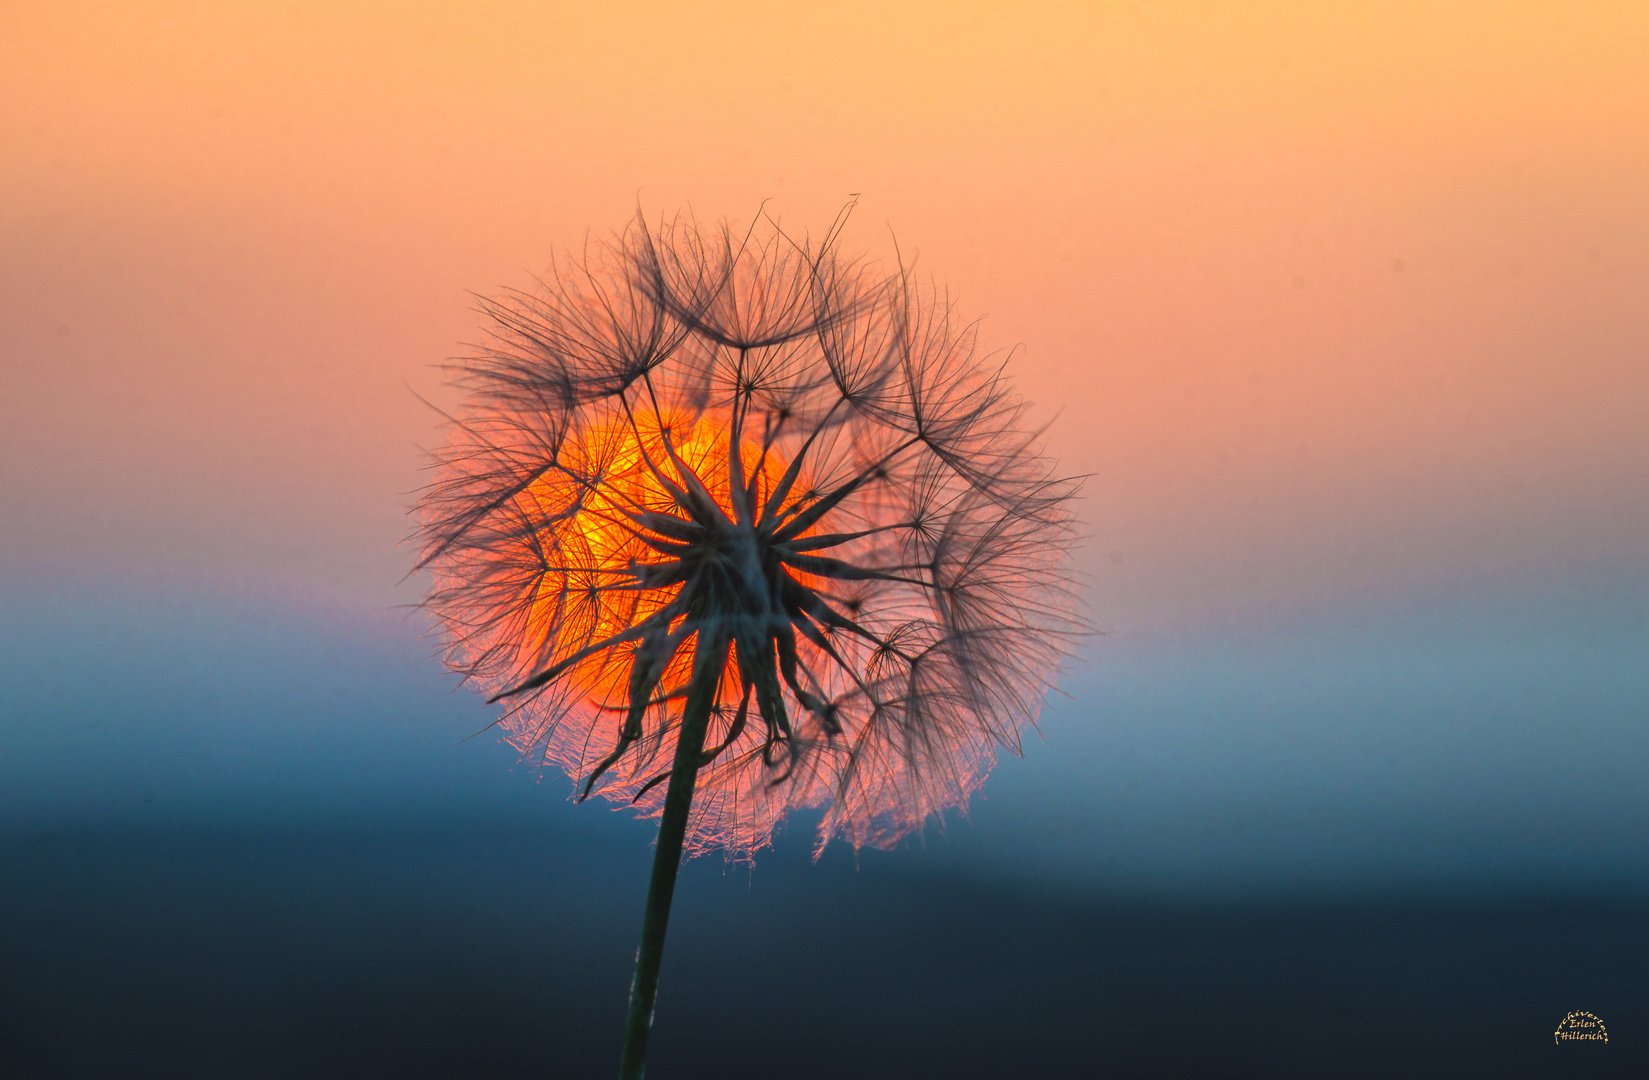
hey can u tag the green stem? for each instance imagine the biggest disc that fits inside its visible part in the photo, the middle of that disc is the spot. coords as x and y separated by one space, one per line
672 830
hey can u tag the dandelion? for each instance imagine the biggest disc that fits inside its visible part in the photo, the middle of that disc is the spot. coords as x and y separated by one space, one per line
737 526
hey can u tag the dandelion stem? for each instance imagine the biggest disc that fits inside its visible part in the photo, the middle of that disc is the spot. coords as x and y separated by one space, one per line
672 829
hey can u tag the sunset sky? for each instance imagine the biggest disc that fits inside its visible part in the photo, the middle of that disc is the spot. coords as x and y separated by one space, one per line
1339 307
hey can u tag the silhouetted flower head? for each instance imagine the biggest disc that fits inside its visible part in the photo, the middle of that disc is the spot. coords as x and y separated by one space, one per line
743 452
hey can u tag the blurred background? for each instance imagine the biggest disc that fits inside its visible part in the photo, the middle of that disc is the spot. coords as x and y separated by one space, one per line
1340 309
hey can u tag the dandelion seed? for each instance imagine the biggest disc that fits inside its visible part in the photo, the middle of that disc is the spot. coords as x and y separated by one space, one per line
735 526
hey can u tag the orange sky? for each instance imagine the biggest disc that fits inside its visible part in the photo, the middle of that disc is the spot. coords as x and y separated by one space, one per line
1329 299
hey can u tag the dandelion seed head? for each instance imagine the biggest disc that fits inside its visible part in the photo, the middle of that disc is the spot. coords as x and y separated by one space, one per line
746 440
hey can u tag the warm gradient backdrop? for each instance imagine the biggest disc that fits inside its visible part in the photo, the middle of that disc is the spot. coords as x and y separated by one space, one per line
1328 297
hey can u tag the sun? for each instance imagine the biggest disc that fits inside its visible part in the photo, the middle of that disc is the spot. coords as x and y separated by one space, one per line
583 531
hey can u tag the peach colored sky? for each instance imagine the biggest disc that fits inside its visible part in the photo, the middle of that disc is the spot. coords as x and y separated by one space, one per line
1330 299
